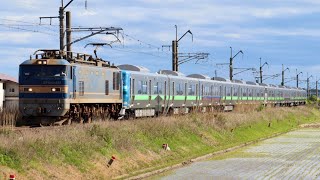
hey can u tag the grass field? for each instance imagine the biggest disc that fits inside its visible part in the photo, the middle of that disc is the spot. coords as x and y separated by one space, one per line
82 151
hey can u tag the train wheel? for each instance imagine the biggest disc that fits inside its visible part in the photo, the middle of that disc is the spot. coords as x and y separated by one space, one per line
127 115
170 112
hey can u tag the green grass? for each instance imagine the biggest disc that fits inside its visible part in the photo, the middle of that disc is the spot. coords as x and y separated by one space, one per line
137 144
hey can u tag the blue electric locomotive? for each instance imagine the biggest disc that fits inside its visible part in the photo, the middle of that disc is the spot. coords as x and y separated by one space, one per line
56 90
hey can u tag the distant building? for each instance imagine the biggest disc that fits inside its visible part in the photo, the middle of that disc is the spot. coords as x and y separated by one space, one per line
9 91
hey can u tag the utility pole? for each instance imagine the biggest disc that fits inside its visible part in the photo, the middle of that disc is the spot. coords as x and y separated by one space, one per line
308 90
317 88
231 62
61 23
298 77
283 70
94 31
175 45
261 66
174 55
68 30
187 56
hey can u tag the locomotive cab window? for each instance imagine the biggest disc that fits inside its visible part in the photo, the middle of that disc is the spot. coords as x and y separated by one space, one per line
116 80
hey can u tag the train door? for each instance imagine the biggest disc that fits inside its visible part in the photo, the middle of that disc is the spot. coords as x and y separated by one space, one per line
166 95
231 92
132 89
265 95
173 92
150 91
220 93
185 92
197 94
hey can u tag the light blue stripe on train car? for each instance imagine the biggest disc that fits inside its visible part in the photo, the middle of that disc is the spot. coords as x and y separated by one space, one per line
126 88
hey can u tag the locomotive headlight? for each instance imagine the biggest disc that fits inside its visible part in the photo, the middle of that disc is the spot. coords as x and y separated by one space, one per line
30 89
42 62
55 89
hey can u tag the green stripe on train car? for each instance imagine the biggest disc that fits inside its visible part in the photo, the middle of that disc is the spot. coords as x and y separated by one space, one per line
141 97
179 97
191 97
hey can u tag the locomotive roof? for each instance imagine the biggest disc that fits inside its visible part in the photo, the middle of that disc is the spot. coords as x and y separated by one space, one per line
49 62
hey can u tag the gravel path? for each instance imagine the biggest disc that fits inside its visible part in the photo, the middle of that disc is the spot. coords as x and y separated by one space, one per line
295 155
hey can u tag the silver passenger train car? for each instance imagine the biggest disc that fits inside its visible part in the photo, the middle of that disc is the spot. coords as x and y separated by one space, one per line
168 92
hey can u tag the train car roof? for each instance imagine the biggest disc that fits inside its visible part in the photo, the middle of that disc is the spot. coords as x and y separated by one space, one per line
198 76
170 73
130 67
237 81
251 83
219 79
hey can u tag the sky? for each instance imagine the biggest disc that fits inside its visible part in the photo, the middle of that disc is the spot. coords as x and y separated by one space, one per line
279 32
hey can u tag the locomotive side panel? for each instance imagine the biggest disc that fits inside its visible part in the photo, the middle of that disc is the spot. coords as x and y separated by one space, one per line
96 85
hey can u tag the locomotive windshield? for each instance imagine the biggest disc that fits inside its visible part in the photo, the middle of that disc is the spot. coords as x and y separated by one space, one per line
43 71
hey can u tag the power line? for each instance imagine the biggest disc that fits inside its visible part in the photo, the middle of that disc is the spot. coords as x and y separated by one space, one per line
24 29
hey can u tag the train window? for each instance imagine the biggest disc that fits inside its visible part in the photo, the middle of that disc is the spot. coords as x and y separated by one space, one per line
179 89
228 91
116 80
107 87
155 88
207 91
235 92
160 87
81 88
191 90
142 87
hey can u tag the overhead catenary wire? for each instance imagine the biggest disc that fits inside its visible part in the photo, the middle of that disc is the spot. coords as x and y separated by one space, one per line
36 28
